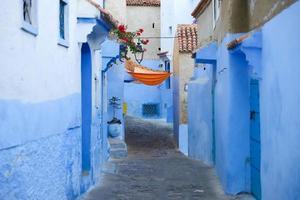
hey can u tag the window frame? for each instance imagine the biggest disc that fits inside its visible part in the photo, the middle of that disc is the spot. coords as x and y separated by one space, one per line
31 28
63 41
216 11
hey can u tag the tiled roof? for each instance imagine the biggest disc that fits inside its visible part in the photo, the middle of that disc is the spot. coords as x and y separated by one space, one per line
155 3
200 8
187 37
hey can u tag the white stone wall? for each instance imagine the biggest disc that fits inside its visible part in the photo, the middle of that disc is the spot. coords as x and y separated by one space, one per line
143 17
174 12
36 68
118 9
37 71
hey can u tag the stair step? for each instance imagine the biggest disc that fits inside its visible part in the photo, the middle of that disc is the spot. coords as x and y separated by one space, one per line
118 149
118 153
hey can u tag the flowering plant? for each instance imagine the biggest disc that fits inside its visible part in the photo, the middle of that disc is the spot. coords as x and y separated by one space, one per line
131 40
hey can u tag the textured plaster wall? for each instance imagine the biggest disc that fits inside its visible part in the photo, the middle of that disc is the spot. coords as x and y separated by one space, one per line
278 74
200 130
280 96
115 79
33 79
40 108
143 17
42 169
118 9
231 119
185 73
205 26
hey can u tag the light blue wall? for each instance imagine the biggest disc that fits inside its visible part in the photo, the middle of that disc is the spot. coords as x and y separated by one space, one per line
115 79
175 83
138 94
200 129
274 60
280 97
44 161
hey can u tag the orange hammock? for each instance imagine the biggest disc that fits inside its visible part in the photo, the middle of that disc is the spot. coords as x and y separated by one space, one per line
145 75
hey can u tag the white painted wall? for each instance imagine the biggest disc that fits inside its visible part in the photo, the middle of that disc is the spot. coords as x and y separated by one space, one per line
28 61
36 70
143 17
174 12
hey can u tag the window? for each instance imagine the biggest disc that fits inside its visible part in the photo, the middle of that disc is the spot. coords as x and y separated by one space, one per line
27 11
168 68
216 11
150 110
153 25
29 16
170 29
63 23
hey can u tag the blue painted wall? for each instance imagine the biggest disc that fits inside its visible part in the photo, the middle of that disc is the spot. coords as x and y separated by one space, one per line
45 160
200 129
115 79
280 97
27 163
138 94
274 60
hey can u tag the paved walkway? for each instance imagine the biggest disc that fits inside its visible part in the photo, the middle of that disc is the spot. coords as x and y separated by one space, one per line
155 170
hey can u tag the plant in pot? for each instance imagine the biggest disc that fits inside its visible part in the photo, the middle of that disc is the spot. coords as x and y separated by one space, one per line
114 125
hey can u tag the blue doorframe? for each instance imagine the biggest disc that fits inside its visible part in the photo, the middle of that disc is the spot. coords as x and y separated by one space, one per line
213 88
255 151
86 106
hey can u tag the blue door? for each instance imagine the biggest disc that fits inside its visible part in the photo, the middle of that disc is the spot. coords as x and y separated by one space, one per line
86 106
255 139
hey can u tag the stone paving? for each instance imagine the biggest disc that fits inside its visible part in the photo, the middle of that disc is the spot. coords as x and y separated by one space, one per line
155 170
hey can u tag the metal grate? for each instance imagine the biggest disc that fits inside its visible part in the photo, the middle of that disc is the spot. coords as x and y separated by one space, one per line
150 110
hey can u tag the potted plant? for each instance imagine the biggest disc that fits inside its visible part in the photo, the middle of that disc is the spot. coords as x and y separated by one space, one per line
114 125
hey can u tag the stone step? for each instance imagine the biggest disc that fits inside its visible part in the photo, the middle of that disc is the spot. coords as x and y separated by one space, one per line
118 153
118 149
116 143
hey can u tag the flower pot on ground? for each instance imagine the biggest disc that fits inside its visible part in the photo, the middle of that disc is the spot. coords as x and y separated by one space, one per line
114 127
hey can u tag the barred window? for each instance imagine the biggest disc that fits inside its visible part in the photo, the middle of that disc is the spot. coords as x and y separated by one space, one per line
62 6
29 16
27 11
150 110
63 23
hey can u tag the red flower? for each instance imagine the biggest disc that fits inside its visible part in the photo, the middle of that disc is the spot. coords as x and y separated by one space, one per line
138 33
145 42
141 30
124 40
122 28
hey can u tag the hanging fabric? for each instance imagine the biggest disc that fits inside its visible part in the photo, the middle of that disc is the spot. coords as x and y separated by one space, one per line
146 75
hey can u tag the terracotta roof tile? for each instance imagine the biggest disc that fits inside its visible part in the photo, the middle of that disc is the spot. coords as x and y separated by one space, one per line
187 37
155 3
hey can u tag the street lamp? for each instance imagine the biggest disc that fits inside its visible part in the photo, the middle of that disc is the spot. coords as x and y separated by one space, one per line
139 54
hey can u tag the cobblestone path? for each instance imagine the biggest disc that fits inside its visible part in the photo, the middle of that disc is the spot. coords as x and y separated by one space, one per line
155 170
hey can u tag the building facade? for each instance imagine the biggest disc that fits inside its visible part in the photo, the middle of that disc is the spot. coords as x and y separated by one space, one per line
246 125
143 100
52 137
183 67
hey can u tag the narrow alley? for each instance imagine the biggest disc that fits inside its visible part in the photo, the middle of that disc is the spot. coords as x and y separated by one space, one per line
154 169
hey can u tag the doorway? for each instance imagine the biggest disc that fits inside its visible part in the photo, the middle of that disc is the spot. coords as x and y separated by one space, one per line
86 106
255 152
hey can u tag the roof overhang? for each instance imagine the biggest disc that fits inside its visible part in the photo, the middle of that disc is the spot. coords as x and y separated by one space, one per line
203 4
